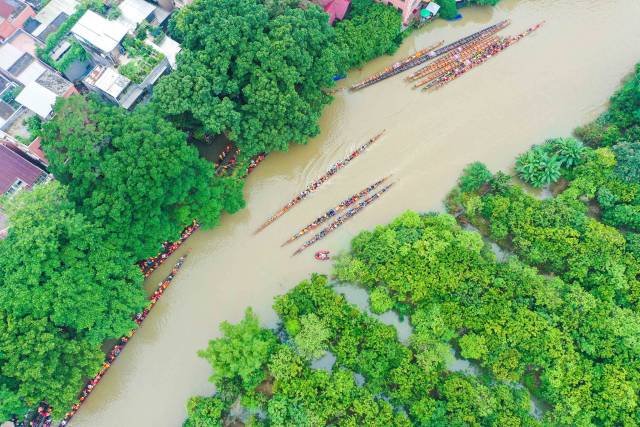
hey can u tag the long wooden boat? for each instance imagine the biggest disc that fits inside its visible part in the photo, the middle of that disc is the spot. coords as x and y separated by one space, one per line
453 57
342 219
482 57
117 349
317 183
392 71
335 210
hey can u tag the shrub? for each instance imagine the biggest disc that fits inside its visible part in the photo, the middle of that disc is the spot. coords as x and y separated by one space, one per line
474 176
628 157
448 9
380 300
537 168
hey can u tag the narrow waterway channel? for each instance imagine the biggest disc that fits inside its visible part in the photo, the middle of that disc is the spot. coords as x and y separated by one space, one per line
544 86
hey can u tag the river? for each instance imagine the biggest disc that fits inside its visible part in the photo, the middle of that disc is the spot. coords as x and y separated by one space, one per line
544 86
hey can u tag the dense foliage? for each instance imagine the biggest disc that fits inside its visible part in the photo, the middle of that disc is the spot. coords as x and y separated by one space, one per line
254 76
371 30
133 174
448 9
65 289
545 164
400 385
621 122
518 324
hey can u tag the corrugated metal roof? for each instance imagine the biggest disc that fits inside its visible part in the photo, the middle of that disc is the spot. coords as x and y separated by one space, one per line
13 166
37 98
134 12
103 34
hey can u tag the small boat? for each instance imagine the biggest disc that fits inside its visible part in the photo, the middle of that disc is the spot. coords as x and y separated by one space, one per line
322 255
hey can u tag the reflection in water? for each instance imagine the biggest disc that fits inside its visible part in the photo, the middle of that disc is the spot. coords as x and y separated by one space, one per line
358 296
325 362
560 77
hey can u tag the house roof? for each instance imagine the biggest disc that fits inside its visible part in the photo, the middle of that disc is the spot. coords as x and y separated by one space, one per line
6 9
108 80
37 98
51 11
36 148
13 166
102 33
6 29
433 7
337 9
9 55
168 47
133 12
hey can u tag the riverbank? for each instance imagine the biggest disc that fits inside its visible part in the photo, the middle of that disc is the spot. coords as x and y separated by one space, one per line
541 88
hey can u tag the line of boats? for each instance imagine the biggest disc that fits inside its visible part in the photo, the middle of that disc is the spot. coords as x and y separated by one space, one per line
122 342
351 206
335 210
451 61
468 59
343 218
318 182
415 60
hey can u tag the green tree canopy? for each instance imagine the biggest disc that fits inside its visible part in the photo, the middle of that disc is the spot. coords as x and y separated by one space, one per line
242 353
133 174
64 290
251 70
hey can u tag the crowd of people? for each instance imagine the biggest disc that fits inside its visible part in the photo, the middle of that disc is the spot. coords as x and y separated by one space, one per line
227 161
223 164
479 57
255 162
117 349
342 219
334 211
317 183
38 418
149 265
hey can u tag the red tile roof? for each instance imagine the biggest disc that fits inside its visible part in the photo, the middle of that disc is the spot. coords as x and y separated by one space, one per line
337 9
36 149
13 166
6 29
6 9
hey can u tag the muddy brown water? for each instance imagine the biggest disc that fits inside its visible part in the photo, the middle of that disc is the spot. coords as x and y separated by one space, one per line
544 86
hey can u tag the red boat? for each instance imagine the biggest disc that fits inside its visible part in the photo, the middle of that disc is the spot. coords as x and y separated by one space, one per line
322 255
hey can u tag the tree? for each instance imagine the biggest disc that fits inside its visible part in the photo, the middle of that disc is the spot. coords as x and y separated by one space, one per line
251 72
628 161
373 29
204 412
65 290
242 352
570 151
133 174
538 168
311 341
474 176
448 9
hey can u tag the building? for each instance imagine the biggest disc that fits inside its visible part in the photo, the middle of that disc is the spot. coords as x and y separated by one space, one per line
113 86
409 9
336 9
13 15
51 17
122 74
17 172
100 37
28 87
